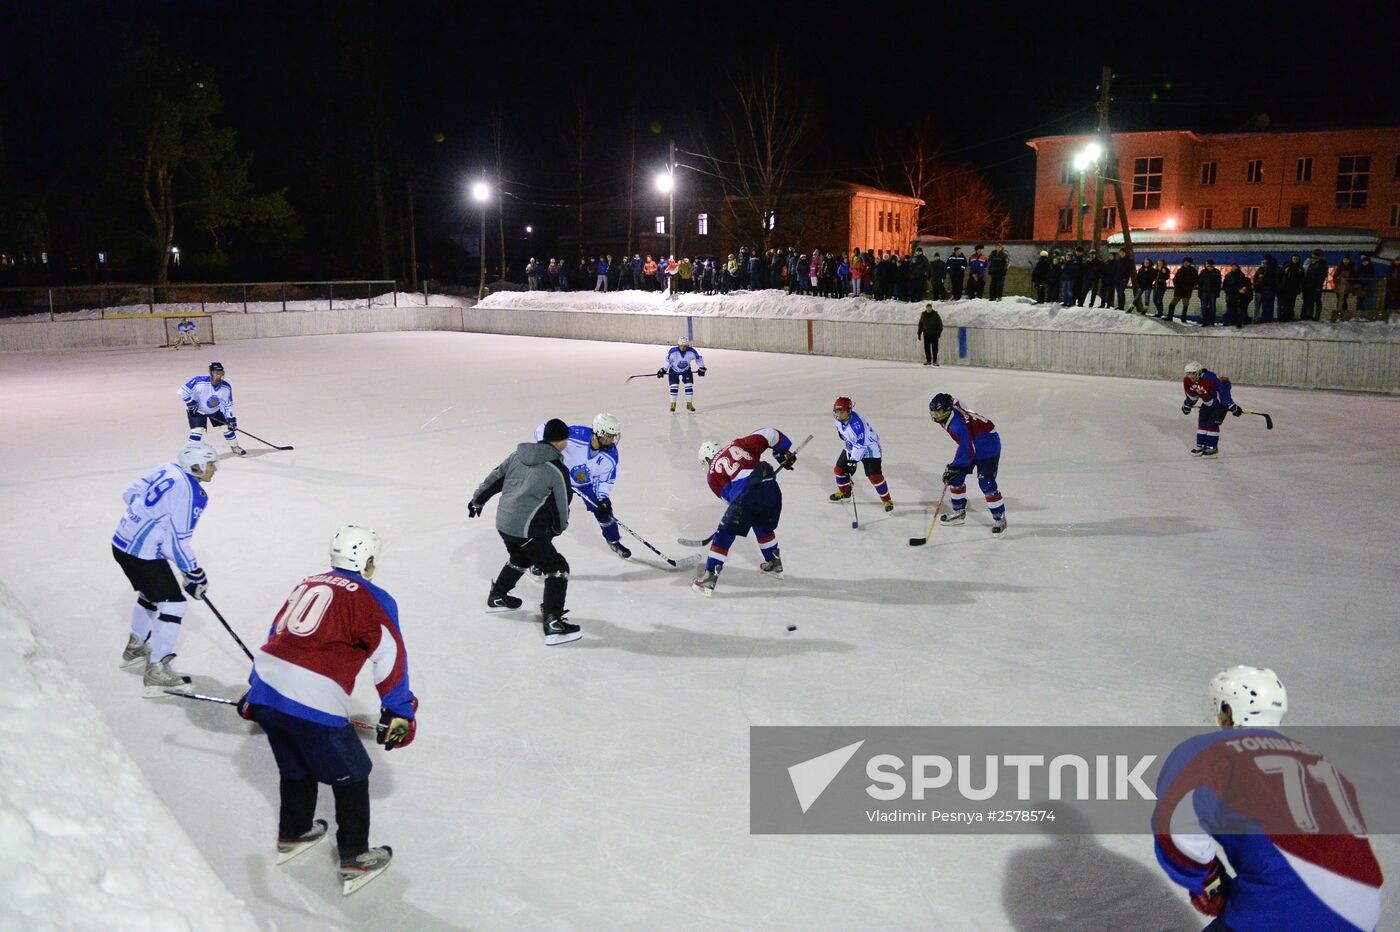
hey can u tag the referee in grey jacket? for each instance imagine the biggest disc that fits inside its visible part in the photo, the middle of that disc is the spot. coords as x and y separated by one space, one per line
534 509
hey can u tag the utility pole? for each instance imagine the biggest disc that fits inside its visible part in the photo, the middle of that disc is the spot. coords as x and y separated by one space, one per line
412 240
1111 156
1107 148
671 198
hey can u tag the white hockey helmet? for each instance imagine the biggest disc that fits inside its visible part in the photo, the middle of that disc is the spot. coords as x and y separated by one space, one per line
607 424
353 547
195 453
1255 695
708 449
683 342
1193 368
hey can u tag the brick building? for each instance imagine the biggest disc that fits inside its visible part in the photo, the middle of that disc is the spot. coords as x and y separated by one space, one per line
1178 179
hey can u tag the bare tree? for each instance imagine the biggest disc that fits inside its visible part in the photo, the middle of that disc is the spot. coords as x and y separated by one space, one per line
760 145
958 201
499 147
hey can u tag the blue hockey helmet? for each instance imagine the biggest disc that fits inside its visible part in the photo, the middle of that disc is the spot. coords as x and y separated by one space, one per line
941 402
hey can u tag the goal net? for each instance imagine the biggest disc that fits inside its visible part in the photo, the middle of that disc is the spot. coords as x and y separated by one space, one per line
189 329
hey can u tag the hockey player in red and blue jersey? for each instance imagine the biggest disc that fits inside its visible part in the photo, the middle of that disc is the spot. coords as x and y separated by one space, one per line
1286 820
1213 392
737 474
979 447
330 625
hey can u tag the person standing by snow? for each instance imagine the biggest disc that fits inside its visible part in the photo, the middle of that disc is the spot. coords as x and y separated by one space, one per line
930 330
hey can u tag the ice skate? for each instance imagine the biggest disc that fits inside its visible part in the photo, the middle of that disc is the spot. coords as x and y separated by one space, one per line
889 505
673 407
690 406
159 677
288 848
839 496
1209 451
957 517
1197 450
619 549
705 583
502 601
559 631
773 567
237 450
136 652
999 528
361 869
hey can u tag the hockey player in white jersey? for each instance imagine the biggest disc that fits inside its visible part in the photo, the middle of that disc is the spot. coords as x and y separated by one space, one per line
162 509
209 398
591 459
683 364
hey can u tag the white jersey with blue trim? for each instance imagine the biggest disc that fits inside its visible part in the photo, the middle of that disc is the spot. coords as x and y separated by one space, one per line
162 509
859 437
678 360
591 471
208 397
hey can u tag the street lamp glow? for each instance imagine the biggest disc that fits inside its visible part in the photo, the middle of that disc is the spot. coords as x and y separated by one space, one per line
1170 223
1088 156
481 191
664 182
529 229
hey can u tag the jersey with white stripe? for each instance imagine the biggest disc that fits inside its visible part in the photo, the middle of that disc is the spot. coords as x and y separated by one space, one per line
162 509
330 625
731 467
678 360
591 472
1288 822
208 398
859 437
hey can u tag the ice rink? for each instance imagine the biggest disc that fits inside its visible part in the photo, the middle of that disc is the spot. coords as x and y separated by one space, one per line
604 784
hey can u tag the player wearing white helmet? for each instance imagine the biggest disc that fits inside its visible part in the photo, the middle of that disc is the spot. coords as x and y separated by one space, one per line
330 626
1213 392
209 400
1286 819
682 365
162 509
592 460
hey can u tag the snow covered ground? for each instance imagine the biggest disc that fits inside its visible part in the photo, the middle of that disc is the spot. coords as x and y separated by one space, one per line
604 784
1011 313
342 302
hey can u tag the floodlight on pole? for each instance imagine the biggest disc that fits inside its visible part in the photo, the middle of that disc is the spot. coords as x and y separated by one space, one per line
481 193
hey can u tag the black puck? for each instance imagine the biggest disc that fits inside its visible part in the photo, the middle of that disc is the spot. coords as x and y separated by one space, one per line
792 627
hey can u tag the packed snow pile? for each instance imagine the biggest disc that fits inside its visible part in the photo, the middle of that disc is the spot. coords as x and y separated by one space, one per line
341 303
1010 313
86 842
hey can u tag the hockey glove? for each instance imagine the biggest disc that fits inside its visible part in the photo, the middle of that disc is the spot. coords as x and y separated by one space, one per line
475 508
603 509
192 407
1236 410
196 583
1186 408
701 372
850 467
952 476
1211 900
232 423
245 711
786 459
395 731
660 373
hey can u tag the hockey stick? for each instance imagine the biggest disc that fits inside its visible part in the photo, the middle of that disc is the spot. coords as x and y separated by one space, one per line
688 561
261 440
692 542
230 631
855 512
644 375
1268 421
363 726
920 541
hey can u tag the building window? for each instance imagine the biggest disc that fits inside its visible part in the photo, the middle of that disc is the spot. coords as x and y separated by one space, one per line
1397 166
1250 221
770 220
1395 216
882 221
1067 173
1208 172
899 223
1298 215
1109 220
702 224
1205 218
1066 219
1147 183
660 226
1304 170
1353 181
1254 171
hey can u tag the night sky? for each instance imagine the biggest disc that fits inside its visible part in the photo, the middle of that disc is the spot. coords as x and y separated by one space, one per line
989 76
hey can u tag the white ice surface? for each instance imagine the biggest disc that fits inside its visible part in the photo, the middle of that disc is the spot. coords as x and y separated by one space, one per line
604 784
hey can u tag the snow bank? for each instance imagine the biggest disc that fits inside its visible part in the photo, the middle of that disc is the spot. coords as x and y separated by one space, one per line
1011 313
348 302
86 842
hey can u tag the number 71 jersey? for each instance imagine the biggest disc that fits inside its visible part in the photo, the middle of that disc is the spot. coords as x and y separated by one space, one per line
328 627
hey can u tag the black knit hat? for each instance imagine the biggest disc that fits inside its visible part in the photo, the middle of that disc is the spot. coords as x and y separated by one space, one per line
555 430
